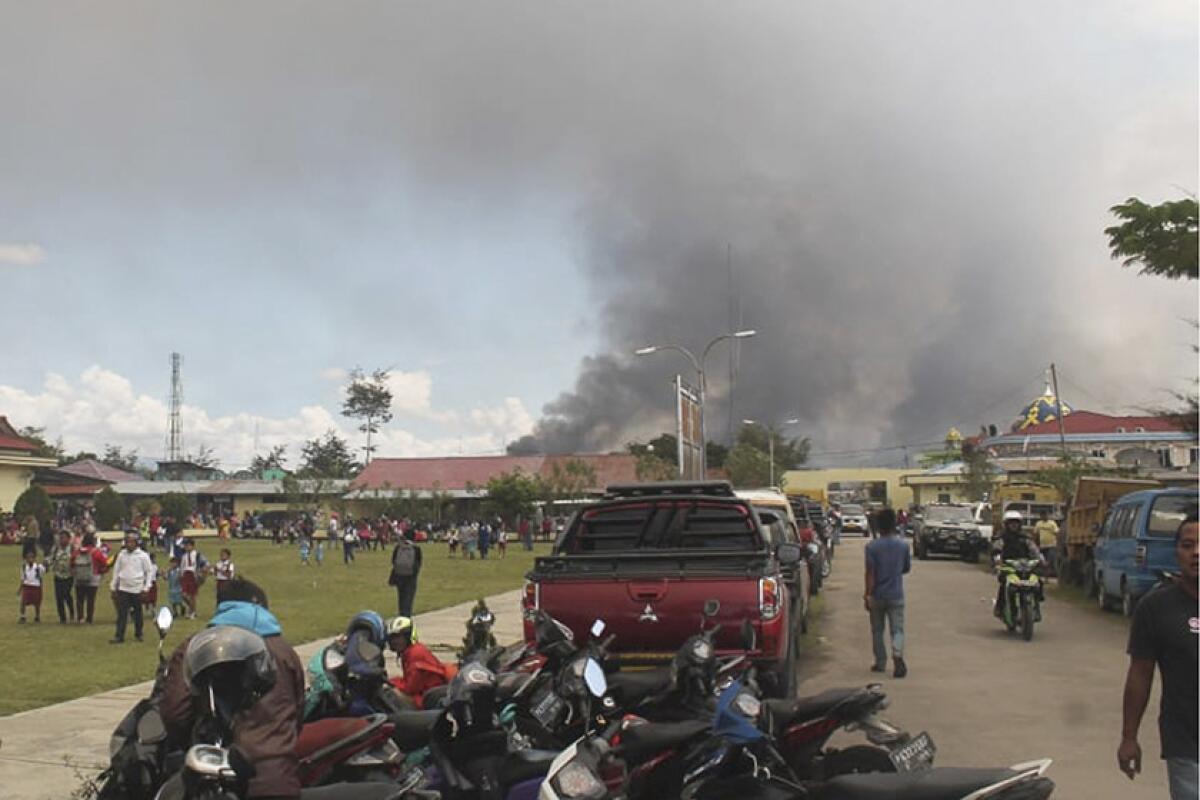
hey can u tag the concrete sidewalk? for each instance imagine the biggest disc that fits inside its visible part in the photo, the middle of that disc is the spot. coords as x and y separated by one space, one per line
45 753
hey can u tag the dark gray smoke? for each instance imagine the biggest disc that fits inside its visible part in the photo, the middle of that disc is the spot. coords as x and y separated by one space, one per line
914 206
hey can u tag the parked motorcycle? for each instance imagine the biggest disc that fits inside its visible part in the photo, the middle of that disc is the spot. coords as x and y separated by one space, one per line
1022 596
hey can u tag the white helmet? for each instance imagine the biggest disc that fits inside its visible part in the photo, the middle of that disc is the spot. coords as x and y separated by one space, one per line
1011 515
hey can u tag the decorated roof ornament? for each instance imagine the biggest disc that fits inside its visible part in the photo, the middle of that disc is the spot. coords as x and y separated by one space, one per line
1041 409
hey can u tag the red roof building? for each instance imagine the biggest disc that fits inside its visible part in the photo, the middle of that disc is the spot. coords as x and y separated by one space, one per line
11 440
98 470
459 473
1090 422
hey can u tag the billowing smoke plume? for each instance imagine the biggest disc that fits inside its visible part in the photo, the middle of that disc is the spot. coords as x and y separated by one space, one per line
914 205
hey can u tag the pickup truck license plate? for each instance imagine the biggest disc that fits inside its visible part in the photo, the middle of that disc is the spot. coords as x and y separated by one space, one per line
917 753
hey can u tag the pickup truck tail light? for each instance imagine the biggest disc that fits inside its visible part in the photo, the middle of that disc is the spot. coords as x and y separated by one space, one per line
531 598
1139 555
768 598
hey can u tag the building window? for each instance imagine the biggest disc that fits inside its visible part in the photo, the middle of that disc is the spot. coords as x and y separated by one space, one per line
943 497
1120 429
1193 455
1139 429
1164 457
1098 452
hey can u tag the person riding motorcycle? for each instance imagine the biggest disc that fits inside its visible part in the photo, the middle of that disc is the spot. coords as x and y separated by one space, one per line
422 669
1012 544
265 732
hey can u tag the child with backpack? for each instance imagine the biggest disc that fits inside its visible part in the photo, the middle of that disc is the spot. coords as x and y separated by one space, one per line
406 565
88 566
32 572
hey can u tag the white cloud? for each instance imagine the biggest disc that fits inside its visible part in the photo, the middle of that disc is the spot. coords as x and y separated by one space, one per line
102 407
334 374
22 255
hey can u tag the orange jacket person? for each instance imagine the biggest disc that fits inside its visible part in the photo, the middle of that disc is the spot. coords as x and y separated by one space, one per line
422 669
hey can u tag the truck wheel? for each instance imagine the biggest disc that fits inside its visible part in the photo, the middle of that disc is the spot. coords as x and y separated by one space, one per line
1088 579
783 678
1103 598
857 760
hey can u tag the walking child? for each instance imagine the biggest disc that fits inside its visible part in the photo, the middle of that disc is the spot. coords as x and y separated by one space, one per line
305 548
319 552
150 596
223 571
31 585
501 541
174 588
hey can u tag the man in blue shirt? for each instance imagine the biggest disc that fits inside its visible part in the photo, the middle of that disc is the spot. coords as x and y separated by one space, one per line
887 561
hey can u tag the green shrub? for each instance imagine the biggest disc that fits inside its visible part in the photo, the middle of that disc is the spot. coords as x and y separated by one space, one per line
110 510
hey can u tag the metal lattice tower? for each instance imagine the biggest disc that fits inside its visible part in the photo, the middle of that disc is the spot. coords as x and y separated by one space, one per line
174 421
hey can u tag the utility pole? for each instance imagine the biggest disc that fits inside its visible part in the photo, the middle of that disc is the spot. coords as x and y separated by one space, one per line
1062 429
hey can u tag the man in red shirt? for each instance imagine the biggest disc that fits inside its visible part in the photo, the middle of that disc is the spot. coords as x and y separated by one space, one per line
422 669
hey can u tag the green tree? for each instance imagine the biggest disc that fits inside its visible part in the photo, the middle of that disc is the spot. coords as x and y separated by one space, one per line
204 457
369 399
303 494
115 456
274 459
34 502
1161 239
566 480
749 466
650 467
176 506
327 457
43 447
716 454
110 510
979 474
512 494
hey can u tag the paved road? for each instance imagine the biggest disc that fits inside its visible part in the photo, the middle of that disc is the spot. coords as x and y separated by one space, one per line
987 697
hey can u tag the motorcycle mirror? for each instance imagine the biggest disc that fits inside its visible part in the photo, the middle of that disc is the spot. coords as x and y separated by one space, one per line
163 620
749 636
150 728
593 676
711 607
598 628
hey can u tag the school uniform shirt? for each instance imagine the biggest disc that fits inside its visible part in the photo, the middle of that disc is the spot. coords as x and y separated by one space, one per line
223 570
31 574
190 562
132 571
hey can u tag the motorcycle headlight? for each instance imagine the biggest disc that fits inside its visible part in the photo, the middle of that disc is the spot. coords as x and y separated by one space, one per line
701 650
333 659
575 780
748 705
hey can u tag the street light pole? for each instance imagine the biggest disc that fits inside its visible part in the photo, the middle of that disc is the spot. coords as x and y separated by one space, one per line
698 365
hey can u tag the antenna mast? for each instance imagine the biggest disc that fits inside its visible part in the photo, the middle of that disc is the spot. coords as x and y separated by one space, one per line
175 422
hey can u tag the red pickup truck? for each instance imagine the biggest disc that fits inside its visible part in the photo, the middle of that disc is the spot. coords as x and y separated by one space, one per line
646 557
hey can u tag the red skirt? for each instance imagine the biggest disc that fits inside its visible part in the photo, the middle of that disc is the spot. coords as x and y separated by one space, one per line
187 582
31 595
150 596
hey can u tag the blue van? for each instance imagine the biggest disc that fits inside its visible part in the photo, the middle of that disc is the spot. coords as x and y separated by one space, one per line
1137 542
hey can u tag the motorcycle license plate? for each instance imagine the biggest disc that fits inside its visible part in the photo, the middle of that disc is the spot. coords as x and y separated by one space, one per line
916 753
547 708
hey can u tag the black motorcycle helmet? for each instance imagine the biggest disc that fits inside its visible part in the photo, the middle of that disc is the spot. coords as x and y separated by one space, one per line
230 666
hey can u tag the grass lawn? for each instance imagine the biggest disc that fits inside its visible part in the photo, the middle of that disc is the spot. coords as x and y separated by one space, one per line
49 663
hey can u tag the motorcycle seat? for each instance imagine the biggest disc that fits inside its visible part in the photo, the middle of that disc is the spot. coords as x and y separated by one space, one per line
324 736
632 688
938 783
788 712
651 738
413 728
353 791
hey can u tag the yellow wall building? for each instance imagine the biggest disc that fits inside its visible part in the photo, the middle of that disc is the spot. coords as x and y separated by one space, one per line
17 464
898 494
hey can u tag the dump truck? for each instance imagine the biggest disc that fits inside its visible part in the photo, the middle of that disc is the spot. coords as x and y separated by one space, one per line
1090 502
1030 499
